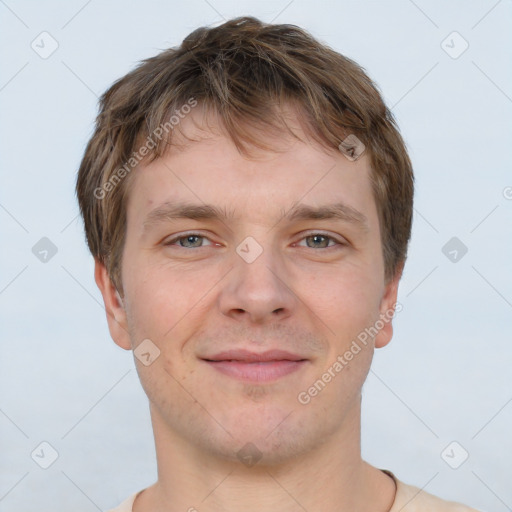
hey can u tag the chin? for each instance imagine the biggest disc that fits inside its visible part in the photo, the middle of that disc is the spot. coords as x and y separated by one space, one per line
261 442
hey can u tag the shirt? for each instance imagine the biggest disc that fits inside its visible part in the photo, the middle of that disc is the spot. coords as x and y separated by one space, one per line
408 498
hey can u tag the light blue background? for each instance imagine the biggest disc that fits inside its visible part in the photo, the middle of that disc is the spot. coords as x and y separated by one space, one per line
446 375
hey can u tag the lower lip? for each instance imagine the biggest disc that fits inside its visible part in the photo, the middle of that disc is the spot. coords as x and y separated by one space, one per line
257 372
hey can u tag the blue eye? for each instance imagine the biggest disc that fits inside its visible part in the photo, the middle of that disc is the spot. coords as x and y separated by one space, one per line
319 241
190 241
311 241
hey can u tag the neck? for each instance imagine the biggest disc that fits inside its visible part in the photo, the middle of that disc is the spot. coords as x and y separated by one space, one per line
332 478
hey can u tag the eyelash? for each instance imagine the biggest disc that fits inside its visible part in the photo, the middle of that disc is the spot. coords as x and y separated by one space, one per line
337 241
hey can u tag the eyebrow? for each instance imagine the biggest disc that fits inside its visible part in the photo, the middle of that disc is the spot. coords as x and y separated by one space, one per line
339 211
169 211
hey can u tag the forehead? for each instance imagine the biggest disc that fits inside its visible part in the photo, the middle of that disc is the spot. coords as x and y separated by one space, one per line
204 166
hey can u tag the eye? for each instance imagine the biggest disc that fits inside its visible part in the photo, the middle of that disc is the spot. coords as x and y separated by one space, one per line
319 241
196 240
189 241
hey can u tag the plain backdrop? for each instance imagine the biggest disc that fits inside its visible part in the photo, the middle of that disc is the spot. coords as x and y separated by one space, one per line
443 67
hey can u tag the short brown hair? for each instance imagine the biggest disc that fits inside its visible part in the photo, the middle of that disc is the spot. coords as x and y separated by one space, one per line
243 70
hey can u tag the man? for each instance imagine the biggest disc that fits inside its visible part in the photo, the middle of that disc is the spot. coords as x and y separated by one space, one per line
248 201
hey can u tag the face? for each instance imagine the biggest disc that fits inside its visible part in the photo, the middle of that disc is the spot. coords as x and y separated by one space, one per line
253 280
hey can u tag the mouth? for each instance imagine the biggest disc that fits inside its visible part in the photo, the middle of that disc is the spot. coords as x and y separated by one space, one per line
253 367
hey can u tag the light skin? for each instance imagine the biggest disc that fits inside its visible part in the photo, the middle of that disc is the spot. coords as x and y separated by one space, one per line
317 284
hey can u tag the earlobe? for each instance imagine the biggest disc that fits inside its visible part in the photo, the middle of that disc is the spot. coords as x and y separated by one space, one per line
114 307
388 307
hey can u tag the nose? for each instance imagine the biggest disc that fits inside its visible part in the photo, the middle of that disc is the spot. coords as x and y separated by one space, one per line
258 292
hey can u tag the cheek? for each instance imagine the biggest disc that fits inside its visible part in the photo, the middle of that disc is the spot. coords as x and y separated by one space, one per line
165 301
343 298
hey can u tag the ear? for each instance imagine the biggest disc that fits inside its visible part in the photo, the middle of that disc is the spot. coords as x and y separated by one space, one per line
388 307
114 308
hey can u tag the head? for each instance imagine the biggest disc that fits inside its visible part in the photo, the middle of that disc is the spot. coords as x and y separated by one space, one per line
222 215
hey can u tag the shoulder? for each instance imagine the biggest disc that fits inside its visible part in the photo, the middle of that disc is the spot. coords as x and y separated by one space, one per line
413 499
126 505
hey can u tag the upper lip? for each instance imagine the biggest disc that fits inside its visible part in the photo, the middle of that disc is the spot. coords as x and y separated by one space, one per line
247 356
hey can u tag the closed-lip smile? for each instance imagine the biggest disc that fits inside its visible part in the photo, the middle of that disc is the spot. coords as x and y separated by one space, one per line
256 367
